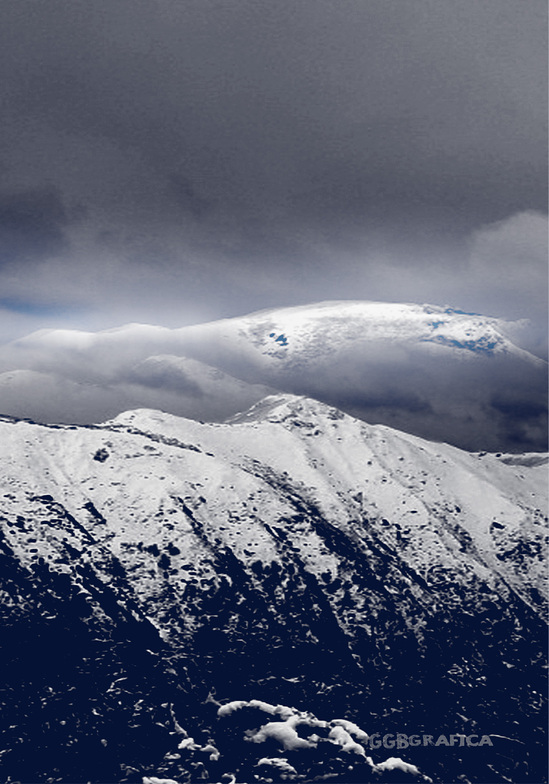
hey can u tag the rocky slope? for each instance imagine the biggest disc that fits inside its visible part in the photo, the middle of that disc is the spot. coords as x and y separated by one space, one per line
338 579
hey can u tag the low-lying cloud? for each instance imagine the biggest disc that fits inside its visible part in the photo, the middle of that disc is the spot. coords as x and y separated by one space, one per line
431 371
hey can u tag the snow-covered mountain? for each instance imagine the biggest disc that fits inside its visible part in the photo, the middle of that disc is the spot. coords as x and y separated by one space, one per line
432 371
187 601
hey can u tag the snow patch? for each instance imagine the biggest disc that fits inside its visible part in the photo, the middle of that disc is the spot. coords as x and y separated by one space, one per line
285 733
278 762
274 710
396 763
341 734
343 739
155 780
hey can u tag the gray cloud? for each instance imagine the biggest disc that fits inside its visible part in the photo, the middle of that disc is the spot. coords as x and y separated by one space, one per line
213 157
31 225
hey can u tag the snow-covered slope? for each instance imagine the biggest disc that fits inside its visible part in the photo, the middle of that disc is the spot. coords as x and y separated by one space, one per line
348 469
311 331
433 371
294 556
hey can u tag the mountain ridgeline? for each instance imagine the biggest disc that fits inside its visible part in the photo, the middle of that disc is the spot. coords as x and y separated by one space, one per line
253 601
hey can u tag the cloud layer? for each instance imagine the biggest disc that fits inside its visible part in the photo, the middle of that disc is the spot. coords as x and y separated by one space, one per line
435 372
174 162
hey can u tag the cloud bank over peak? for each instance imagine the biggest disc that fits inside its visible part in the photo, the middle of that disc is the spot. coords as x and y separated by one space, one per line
433 371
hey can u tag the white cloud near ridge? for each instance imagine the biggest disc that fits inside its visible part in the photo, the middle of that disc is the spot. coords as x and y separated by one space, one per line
508 270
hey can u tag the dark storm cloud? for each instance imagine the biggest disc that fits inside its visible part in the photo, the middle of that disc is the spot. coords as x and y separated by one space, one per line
31 225
188 196
211 147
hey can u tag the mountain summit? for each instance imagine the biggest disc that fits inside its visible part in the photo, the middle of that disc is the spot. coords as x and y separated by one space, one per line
259 599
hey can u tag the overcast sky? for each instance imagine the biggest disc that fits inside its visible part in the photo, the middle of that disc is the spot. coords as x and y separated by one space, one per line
175 161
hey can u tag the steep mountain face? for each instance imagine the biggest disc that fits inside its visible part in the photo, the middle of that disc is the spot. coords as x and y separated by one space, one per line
189 601
433 371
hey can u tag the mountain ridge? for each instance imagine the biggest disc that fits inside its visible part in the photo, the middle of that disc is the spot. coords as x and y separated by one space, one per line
299 557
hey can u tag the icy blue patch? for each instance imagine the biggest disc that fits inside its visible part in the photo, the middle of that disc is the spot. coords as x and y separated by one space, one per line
282 339
481 346
460 312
